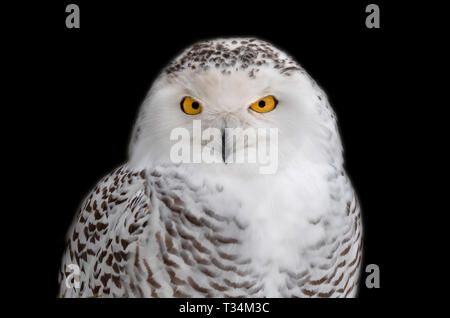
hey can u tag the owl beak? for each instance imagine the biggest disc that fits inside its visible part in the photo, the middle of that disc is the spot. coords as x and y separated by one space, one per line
223 146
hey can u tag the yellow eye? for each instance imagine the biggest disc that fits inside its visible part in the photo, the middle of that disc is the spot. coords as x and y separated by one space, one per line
190 106
264 105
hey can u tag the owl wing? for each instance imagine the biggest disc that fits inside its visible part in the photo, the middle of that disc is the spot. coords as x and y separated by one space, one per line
334 262
101 240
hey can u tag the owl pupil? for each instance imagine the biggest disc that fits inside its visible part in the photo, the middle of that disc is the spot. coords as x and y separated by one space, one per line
195 105
262 104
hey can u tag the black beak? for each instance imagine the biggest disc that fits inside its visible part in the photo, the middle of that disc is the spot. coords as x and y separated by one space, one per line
223 145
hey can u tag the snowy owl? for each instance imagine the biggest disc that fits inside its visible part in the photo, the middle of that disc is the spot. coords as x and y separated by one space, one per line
161 227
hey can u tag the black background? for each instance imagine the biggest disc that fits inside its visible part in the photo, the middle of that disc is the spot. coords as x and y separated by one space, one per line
102 71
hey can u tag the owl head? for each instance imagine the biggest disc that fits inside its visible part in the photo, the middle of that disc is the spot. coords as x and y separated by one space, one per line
239 85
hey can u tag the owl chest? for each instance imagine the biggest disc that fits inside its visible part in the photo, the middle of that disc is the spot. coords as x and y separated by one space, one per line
209 255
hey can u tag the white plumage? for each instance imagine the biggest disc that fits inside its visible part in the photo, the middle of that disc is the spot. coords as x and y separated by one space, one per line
153 228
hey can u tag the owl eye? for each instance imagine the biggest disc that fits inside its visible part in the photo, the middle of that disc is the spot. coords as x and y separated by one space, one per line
190 106
264 105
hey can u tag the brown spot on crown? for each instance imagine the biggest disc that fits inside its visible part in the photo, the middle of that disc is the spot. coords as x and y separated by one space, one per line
231 55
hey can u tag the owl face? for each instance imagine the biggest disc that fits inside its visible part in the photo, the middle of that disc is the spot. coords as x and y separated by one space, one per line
242 84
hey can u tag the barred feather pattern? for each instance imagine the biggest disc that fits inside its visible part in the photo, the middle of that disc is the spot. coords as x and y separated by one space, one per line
134 237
